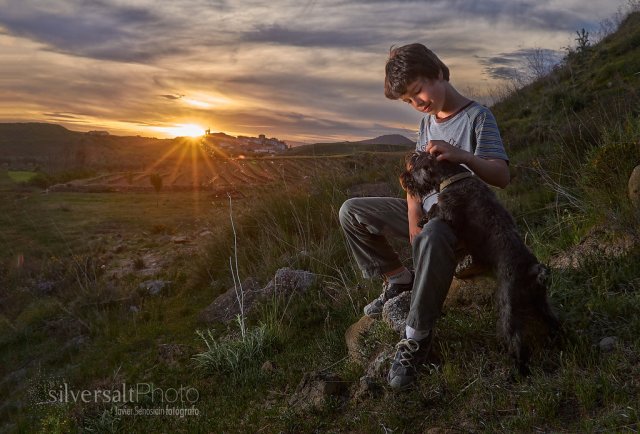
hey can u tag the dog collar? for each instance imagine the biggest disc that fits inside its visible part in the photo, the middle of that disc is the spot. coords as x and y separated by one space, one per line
455 178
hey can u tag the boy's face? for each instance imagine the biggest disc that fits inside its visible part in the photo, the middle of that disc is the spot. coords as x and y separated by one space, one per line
425 95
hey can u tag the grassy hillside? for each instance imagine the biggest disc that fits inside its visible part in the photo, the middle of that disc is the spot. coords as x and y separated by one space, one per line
72 309
387 143
593 89
346 148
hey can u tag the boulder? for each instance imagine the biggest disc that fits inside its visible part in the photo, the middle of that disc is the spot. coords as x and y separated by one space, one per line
225 308
268 367
45 287
286 282
154 287
367 388
379 367
395 311
608 344
353 337
477 291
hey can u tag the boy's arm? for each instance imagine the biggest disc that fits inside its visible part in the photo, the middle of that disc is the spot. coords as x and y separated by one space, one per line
491 171
414 214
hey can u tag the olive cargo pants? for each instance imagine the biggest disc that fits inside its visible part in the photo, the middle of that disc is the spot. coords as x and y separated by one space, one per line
368 221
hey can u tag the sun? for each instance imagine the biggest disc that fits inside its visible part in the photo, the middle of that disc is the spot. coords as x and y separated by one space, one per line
187 130
183 130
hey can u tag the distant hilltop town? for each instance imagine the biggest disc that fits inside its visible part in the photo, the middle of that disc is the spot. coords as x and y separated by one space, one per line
258 145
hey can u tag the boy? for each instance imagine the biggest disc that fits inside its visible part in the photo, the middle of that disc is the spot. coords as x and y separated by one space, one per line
455 129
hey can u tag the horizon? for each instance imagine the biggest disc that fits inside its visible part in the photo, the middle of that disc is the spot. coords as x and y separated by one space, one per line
292 143
302 73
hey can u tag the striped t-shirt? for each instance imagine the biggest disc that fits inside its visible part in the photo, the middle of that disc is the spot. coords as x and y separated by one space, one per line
473 128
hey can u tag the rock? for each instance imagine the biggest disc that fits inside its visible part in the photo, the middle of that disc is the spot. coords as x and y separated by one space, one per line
225 307
288 281
353 337
608 344
180 239
468 268
395 311
367 388
600 242
371 383
45 287
477 291
134 309
634 187
154 287
268 367
285 283
379 368
316 388
205 233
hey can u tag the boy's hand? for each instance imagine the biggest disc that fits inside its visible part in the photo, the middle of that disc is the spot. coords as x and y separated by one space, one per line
491 170
445 151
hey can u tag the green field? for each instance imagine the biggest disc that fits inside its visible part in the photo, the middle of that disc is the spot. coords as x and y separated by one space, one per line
20 176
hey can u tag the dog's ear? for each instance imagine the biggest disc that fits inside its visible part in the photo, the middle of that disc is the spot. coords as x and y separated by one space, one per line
422 176
541 273
410 159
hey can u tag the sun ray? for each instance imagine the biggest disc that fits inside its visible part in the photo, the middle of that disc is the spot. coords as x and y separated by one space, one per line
166 155
178 164
195 178
207 161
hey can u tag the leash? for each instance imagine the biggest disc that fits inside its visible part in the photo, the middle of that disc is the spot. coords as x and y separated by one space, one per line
455 178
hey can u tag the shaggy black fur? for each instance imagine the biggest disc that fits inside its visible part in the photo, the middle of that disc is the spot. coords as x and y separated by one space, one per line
490 234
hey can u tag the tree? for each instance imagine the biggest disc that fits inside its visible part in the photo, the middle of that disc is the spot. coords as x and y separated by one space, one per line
582 40
156 181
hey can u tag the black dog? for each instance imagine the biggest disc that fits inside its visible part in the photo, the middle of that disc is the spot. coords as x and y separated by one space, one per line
490 234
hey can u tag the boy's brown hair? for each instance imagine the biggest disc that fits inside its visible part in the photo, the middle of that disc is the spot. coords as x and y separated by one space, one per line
408 63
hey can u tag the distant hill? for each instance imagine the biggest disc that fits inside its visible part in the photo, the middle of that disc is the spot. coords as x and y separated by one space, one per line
31 138
389 139
55 147
386 143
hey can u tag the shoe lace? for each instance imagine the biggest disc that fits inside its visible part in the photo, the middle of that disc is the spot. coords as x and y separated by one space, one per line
406 349
385 285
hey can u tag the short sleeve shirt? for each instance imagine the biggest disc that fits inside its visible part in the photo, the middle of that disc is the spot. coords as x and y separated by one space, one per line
473 128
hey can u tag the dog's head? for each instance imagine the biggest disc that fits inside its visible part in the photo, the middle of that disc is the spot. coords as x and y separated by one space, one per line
424 173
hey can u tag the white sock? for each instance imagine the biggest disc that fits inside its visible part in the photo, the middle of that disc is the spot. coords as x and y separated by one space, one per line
401 277
416 335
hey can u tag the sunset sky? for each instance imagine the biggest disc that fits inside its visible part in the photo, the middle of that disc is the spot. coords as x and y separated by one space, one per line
297 70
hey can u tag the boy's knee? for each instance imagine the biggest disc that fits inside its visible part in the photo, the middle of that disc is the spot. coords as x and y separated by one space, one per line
436 232
346 211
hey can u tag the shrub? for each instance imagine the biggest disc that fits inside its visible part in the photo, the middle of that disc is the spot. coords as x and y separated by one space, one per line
234 354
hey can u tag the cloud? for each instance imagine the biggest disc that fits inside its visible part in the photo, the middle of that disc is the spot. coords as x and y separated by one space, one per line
312 68
172 97
313 37
522 64
57 115
94 29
